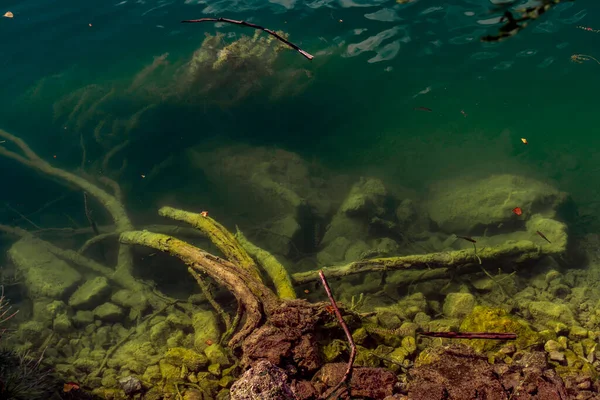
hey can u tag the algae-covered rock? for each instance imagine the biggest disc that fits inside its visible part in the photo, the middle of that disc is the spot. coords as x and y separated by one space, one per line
62 323
152 374
366 196
45 275
263 381
109 312
206 329
545 312
554 230
355 251
129 299
457 305
169 372
217 355
215 369
280 235
91 294
471 206
333 350
180 356
334 252
486 319
366 358
31 331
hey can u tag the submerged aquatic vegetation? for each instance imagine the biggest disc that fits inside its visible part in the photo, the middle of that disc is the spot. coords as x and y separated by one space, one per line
23 378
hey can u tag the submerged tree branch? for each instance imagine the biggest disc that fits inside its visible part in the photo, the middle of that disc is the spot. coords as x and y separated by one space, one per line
517 252
244 23
224 272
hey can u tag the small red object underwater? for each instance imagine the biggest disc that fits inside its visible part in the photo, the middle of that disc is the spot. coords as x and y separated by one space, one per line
67 387
517 210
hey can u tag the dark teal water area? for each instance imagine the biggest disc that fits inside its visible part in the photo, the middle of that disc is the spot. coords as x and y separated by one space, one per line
375 61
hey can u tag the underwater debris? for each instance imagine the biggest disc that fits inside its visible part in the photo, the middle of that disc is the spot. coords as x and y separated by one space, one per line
580 58
512 25
269 31
588 29
543 236
517 211
524 141
422 109
469 239
340 319
8 14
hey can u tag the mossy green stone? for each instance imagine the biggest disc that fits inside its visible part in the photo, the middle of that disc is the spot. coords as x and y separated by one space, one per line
486 319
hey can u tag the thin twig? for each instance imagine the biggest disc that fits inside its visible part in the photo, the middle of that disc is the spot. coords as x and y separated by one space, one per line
210 298
22 216
83 152
269 31
88 214
471 335
347 376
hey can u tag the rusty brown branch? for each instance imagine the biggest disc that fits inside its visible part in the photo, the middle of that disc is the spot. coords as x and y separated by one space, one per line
340 319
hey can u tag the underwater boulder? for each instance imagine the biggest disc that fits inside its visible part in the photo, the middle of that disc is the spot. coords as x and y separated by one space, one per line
334 252
91 294
365 201
109 312
45 275
458 305
472 206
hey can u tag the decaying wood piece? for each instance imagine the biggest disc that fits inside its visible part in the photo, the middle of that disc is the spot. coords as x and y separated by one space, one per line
521 251
277 272
218 235
236 280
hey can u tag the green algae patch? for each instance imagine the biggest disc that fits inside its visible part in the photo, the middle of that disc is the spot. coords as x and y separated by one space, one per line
487 319
180 357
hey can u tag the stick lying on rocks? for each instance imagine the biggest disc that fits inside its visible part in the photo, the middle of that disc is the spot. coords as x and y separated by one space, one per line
244 23
340 319
471 335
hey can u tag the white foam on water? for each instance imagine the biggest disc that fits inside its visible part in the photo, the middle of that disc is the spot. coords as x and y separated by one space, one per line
358 31
504 65
360 3
384 15
388 69
161 5
484 55
371 43
288 4
562 45
469 13
386 53
527 53
575 18
431 10
121 3
546 63
467 38
320 3
489 21
546 27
